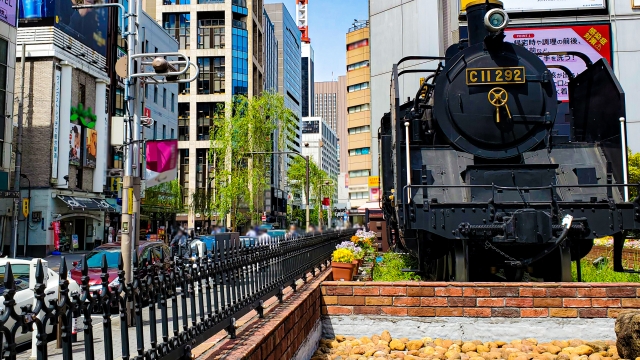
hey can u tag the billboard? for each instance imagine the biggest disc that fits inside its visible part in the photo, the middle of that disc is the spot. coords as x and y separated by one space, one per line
8 11
552 5
592 40
88 26
75 144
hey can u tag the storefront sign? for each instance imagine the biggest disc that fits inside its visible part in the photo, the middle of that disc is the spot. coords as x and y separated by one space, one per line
56 235
592 40
8 11
25 207
374 194
74 241
374 181
552 5
56 125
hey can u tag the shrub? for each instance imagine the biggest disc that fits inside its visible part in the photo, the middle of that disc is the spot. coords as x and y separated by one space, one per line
390 269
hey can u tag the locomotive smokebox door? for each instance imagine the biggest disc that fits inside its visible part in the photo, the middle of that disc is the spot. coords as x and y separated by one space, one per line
530 226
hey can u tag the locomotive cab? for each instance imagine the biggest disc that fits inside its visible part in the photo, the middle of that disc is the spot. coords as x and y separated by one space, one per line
474 184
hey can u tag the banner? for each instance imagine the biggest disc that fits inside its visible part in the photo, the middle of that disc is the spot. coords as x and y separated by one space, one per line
91 149
75 145
552 5
162 161
374 194
592 40
8 11
56 235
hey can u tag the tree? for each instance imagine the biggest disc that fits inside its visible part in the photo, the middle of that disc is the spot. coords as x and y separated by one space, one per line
634 172
244 126
297 174
165 197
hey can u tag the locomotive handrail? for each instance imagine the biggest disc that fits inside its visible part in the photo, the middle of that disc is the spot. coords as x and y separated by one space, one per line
416 71
419 57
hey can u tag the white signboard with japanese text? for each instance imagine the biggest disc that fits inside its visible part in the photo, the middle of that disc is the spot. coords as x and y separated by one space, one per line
552 5
591 40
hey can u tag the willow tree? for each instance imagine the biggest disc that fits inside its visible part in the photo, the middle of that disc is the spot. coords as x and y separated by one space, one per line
165 198
297 175
241 176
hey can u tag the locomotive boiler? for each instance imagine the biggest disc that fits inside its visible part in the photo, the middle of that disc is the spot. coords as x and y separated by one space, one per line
476 183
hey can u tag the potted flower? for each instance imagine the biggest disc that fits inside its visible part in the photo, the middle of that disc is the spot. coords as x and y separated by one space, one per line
342 264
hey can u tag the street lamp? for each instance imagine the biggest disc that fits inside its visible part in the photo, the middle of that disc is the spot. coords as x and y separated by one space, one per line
26 229
306 159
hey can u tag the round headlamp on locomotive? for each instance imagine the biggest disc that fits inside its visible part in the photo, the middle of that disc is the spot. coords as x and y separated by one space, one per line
473 182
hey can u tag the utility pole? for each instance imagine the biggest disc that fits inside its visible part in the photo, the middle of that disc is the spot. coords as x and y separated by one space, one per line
18 169
306 158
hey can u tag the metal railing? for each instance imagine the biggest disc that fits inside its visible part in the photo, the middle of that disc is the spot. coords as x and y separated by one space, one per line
178 303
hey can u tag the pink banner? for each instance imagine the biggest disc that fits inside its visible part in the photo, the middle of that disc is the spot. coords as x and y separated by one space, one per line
56 235
162 161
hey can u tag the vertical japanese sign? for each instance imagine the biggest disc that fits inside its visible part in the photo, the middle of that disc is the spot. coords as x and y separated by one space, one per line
56 125
592 40
56 235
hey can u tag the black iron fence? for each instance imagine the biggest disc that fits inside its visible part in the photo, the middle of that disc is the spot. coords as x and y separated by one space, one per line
176 303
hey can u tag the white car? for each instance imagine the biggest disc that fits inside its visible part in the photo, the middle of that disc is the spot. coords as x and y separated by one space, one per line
24 273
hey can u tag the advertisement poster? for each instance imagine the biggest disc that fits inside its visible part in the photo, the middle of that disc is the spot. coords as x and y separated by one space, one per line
552 5
374 194
56 235
8 11
74 241
91 148
591 40
75 144
162 161
88 26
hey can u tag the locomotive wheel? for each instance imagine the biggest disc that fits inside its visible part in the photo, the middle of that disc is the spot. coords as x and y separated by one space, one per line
555 267
456 263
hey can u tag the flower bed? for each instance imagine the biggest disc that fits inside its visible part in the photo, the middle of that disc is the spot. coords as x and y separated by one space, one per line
358 255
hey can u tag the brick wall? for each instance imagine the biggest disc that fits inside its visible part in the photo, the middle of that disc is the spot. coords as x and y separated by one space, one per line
503 300
630 257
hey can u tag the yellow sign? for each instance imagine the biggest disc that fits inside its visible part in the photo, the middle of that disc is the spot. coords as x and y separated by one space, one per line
374 181
25 207
504 75
130 201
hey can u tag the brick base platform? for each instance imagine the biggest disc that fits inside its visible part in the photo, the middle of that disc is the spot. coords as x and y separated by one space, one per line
480 300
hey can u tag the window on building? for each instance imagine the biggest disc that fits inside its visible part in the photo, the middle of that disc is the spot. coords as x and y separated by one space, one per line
176 2
357 44
359 173
146 91
207 115
184 174
183 122
358 195
164 132
173 102
358 108
359 129
359 151
177 25
173 133
211 31
356 87
358 65
164 98
212 75
310 127
155 94
155 130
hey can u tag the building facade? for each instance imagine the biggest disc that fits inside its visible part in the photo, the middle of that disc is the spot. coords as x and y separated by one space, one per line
8 116
308 80
289 76
225 39
320 143
65 141
330 104
359 163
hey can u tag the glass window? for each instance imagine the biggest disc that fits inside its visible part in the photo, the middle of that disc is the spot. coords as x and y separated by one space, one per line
310 127
177 25
173 102
358 44
358 65
359 130
183 122
164 98
207 113
20 274
211 79
356 87
155 94
211 33
359 173
172 134
164 132
358 195
359 151
358 108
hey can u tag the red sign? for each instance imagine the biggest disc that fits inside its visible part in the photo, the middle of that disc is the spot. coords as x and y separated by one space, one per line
592 40
56 235
147 112
264 218
326 202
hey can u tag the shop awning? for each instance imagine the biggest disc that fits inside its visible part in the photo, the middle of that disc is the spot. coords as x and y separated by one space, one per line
114 205
88 204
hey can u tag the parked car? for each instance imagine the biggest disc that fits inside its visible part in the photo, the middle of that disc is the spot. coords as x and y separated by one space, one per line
113 251
24 273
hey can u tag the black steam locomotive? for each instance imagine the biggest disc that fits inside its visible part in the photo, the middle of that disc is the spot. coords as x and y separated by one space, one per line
475 181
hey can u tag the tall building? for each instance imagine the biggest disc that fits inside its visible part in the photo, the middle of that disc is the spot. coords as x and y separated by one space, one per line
330 103
270 54
320 143
308 79
289 75
359 163
225 39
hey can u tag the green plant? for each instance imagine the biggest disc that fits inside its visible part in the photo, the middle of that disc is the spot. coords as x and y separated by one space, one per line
392 266
601 274
344 256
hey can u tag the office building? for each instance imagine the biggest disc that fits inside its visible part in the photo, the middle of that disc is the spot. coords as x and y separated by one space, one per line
308 79
270 54
359 163
289 76
226 40
320 143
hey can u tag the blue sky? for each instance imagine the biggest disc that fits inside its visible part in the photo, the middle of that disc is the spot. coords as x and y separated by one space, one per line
329 21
